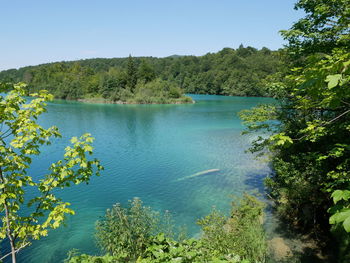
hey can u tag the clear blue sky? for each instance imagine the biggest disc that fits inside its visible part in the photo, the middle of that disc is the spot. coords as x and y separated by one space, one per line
41 31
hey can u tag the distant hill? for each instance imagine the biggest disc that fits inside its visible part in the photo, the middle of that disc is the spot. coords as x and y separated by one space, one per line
175 56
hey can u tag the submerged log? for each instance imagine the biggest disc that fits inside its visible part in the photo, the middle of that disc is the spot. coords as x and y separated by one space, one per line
198 174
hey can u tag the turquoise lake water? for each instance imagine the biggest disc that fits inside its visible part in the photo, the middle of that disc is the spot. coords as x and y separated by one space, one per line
145 149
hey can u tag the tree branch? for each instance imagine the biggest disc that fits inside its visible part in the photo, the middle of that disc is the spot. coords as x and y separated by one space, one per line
339 116
4 135
324 124
40 203
16 251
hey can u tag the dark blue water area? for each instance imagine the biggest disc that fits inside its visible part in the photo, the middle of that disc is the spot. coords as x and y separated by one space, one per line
145 150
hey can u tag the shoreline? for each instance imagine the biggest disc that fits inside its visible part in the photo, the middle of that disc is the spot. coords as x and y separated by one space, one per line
106 101
119 102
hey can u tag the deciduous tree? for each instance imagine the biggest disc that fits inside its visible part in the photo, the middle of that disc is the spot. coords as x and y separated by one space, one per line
311 142
29 206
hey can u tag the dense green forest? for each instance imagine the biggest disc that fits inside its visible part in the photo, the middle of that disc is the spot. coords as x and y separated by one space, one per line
238 72
310 146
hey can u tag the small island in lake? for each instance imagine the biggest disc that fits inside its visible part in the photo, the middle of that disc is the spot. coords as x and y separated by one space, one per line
135 85
154 92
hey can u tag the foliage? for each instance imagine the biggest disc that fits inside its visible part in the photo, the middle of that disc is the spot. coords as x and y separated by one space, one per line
131 74
162 249
310 146
342 210
158 91
240 234
325 27
229 72
146 72
26 217
237 239
127 232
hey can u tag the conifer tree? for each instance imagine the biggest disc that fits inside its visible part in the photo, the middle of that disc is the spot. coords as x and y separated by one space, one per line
131 74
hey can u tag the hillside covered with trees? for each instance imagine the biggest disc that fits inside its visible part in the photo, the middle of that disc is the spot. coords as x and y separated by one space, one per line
239 72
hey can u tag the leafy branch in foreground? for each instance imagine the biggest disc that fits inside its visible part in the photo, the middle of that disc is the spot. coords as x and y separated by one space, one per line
310 147
26 217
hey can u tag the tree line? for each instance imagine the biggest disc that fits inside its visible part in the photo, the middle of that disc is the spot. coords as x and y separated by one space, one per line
230 71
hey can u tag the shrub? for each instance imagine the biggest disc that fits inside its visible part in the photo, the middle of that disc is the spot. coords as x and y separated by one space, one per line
138 234
241 234
127 232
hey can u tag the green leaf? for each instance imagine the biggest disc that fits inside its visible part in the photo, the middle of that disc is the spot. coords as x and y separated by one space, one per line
346 224
340 195
333 80
27 136
339 217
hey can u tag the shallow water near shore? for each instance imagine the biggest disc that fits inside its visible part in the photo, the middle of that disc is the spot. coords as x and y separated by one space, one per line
150 152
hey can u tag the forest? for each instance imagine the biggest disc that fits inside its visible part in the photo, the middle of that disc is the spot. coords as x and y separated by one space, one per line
306 139
239 72
307 133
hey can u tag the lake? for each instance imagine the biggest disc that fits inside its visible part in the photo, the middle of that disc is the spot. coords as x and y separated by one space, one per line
145 150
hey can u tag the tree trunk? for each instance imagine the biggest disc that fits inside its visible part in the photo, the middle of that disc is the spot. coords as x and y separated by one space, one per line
8 229
13 251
